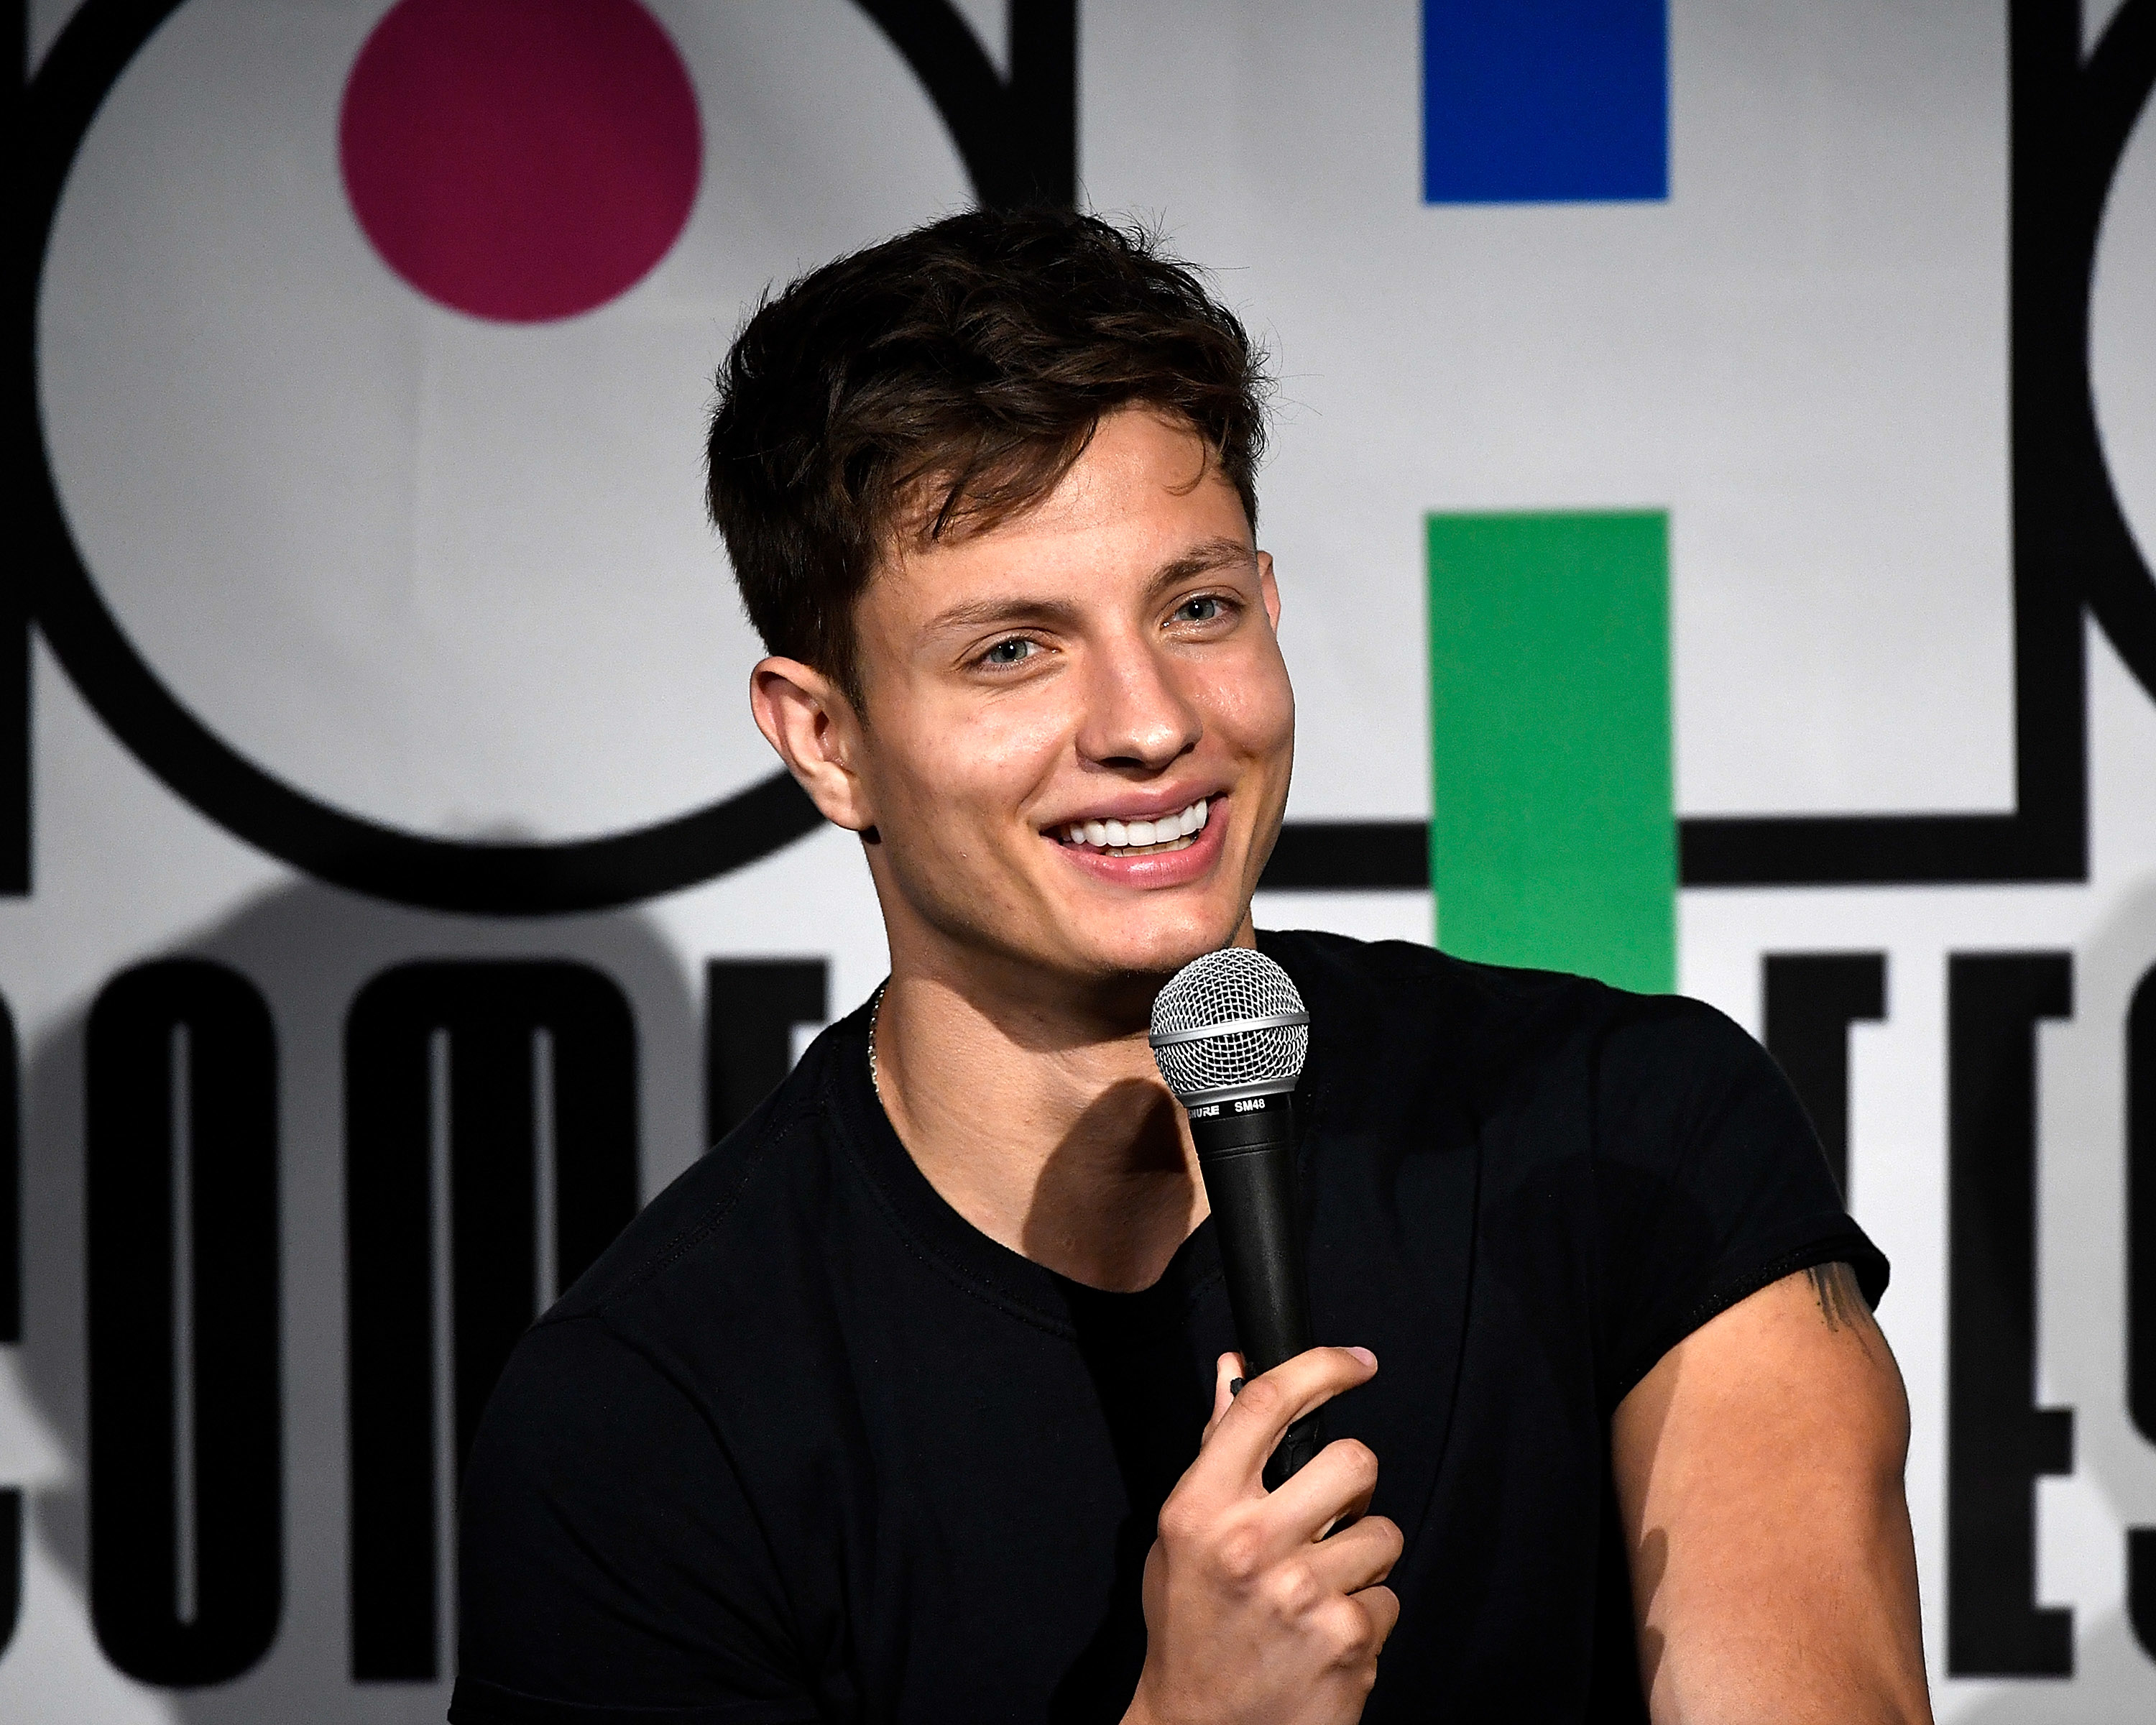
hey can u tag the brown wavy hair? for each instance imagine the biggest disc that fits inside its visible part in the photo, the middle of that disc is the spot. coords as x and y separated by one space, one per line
942 382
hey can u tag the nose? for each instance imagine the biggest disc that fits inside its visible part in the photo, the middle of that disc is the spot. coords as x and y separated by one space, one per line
1137 716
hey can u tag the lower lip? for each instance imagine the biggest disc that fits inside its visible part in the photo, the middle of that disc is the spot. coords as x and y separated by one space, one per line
1169 868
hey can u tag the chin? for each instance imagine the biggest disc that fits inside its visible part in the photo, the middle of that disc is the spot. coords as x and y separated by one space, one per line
1159 947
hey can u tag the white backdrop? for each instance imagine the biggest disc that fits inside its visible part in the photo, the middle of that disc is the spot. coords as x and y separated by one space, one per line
451 575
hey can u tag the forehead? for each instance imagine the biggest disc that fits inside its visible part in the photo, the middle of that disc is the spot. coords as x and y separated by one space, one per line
1144 495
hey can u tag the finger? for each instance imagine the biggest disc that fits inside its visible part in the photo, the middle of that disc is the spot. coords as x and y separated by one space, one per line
1336 1485
1271 1402
1358 1557
1381 1605
1227 1378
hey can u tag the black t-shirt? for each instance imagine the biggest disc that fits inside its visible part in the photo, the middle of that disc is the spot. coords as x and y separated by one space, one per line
805 1444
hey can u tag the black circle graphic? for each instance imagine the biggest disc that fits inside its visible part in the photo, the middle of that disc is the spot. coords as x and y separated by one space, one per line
100 42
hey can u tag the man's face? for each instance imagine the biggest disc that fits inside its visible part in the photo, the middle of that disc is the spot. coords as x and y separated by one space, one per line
1104 662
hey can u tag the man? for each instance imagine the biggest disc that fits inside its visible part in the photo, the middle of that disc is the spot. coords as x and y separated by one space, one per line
912 1400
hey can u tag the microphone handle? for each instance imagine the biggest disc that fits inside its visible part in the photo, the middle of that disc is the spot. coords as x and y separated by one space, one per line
1246 1154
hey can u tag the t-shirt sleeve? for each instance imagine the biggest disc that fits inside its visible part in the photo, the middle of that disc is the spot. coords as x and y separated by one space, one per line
612 1568
1711 1182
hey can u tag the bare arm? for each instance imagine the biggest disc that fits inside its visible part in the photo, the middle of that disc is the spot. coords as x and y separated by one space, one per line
1758 1470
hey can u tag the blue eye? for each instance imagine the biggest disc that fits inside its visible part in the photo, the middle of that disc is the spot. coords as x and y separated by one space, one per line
1014 651
1202 609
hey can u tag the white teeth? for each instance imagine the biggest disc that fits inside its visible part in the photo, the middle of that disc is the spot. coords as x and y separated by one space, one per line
1125 837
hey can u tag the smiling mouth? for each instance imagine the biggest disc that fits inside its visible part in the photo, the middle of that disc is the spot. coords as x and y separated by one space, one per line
1139 838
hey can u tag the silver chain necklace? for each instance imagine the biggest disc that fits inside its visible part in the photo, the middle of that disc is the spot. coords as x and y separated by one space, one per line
875 1012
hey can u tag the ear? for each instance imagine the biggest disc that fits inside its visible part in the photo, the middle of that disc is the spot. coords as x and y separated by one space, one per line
805 716
1269 588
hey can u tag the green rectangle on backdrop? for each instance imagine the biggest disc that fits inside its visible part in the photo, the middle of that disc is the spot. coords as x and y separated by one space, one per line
1553 837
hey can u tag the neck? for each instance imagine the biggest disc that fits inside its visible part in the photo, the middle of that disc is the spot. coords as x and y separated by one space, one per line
1042 1121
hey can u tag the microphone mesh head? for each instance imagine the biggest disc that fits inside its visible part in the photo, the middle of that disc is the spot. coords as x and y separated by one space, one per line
1234 984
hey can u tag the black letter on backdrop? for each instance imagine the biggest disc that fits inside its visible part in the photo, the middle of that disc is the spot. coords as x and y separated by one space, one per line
751 1006
2141 1284
1812 999
11 1303
186 1452
1997 1440
451 1059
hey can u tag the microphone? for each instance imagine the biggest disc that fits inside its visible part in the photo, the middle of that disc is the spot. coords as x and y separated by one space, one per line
1230 1035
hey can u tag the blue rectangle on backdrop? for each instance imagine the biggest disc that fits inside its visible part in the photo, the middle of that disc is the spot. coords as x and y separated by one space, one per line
1545 101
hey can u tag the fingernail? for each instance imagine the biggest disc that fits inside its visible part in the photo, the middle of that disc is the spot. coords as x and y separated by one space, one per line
1235 1386
1364 1355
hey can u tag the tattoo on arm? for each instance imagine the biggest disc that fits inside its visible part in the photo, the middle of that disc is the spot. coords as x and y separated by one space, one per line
1841 1301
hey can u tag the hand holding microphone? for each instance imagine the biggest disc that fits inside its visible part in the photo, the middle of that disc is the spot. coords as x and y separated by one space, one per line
1252 1615
1252 1612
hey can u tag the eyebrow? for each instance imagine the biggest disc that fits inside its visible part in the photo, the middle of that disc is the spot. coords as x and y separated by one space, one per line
999 613
1202 558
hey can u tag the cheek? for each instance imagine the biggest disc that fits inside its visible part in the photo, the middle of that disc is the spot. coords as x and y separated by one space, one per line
973 771
1253 711
1014 749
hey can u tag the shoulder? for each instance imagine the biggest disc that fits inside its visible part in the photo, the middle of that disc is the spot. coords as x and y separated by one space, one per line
718 1284
1387 993
1367 981
1570 1067
1646 1141
755 1203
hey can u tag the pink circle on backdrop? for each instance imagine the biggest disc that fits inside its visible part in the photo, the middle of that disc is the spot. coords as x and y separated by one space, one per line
520 160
